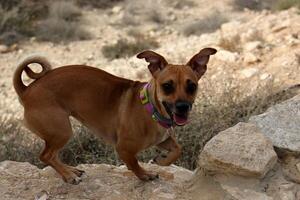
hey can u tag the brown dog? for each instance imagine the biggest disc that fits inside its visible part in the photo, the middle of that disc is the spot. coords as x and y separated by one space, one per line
131 115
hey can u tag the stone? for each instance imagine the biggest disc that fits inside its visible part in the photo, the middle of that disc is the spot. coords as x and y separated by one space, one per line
3 48
248 72
287 191
281 124
251 46
265 76
250 58
241 150
246 194
227 56
116 9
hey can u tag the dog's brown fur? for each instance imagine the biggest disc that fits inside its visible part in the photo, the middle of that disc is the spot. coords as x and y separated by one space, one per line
106 103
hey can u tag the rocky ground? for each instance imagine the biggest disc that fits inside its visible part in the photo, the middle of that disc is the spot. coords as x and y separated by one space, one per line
258 54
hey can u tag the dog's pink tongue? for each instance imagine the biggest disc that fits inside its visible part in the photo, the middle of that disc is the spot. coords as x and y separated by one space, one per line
180 120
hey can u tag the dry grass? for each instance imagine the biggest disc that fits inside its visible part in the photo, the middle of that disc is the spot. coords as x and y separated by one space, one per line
16 145
98 3
286 4
247 4
180 4
212 113
49 21
259 5
63 23
125 48
232 44
84 147
141 12
207 24
18 19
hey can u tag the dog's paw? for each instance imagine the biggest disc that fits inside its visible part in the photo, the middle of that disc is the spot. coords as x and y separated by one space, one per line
78 172
73 181
157 160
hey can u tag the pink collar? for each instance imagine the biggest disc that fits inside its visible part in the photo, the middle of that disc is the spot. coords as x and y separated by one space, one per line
156 116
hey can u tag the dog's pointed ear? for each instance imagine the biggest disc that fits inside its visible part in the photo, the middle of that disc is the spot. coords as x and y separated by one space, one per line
199 61
156 61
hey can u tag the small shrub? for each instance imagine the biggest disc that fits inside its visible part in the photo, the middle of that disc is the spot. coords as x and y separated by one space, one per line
141 12
232 45
56 21
248 4
18 19
98 3
180 4
62 24
14 145
286 4
65 10
207 24
57 30
125 48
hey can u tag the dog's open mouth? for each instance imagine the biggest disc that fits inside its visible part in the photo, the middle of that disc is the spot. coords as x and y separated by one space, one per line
180 119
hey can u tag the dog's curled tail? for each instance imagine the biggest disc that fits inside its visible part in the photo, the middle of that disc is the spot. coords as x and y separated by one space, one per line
23 66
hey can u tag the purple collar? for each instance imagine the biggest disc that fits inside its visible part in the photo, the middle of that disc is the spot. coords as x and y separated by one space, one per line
156 116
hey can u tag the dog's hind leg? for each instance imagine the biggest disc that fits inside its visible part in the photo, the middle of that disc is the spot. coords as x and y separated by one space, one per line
53 126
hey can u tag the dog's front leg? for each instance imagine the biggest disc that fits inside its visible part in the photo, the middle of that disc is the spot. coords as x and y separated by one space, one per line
129 157
174 151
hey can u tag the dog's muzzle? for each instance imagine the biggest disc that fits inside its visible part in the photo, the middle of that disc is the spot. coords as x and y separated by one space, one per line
178 112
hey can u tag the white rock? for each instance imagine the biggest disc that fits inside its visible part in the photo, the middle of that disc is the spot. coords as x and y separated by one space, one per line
116 9
250 46
227 56
246 194
240 150
265 76
287 191
3 48
248 72
250 58
281 124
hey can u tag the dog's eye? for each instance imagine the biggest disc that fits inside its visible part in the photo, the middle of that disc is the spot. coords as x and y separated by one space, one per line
168 87
191 87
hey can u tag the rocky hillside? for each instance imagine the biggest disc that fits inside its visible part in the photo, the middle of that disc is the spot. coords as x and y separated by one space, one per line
232 150
238 164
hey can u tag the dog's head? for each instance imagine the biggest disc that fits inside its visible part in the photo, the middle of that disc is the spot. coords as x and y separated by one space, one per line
176 85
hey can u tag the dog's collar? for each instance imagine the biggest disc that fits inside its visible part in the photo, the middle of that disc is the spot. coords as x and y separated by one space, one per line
156 116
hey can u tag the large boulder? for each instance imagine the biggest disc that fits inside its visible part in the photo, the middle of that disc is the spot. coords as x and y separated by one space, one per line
281 124
240 150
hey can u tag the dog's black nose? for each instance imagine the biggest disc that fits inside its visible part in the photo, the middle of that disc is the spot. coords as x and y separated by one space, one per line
183 106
